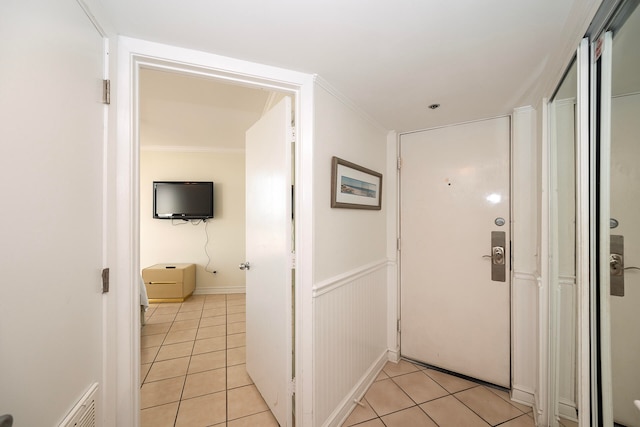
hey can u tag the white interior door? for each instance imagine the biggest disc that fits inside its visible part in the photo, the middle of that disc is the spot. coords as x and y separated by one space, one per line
454 191
268 252
51 227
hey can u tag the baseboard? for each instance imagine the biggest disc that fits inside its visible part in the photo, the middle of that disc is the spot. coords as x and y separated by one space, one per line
523 396
342 412
220 290
393 355
568 411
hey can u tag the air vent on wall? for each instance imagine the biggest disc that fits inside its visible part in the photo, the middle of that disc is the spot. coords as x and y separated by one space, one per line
84 413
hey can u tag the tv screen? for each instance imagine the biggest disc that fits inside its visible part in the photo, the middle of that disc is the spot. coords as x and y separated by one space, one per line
182 200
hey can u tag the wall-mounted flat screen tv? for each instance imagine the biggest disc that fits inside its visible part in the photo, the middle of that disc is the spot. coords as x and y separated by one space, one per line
182 200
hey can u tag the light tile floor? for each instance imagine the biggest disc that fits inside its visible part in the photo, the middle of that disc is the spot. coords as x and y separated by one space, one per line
406 394
193 366
193 374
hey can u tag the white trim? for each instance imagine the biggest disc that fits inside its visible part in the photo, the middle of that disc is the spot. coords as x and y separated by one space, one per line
220 290
551 262
394 355
92 18
604 178
501 116
347 278
545 355
522 275
346 406
393 252
133 55
583 245
567 280
567 410
190 149
523 396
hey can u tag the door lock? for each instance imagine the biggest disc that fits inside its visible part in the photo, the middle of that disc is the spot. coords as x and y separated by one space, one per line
616 265
497 255
498 261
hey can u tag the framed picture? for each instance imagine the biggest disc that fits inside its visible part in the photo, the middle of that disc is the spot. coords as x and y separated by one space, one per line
354 187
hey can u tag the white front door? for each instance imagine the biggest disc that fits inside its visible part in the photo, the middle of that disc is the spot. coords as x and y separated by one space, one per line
454 190
268 253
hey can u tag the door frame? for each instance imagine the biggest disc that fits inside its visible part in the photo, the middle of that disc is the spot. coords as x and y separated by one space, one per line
132 55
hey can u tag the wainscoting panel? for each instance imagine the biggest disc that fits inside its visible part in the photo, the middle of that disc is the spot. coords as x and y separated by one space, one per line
525 351
567 343
349 337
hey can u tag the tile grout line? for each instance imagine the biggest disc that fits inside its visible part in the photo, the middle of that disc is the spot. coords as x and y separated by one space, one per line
226 343
407 394
482 418
184 384
379 417
226 368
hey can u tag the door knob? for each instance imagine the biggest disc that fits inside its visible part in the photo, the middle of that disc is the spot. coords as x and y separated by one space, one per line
245 266
616 264
497 255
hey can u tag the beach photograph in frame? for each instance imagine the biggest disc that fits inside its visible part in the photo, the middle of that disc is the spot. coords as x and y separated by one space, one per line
354 186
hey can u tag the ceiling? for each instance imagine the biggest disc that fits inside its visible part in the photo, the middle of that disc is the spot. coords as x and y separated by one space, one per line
177 110
477 59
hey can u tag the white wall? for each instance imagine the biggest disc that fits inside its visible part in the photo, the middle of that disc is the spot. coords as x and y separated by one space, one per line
51 235
349 255
168 241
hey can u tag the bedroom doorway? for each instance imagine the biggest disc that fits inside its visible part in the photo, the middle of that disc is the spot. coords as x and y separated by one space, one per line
174 60
192 129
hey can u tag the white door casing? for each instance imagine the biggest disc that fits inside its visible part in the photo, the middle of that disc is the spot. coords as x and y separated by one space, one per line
268 251
454 185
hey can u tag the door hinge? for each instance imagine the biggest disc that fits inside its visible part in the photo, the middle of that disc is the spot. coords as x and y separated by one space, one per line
106 92
293 260
105 280
292 386
398 243
399 326
292 134
399 163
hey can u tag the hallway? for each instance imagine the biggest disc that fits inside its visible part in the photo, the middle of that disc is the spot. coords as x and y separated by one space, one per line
193 374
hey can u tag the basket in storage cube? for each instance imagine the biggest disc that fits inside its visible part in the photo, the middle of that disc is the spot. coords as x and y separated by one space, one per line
169 282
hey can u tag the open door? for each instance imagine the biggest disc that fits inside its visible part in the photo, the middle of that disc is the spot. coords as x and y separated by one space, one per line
268 264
